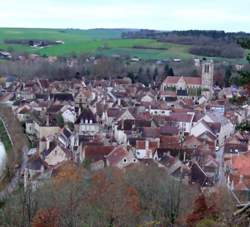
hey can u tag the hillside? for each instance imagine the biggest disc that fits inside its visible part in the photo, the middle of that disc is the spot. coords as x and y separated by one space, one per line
107 42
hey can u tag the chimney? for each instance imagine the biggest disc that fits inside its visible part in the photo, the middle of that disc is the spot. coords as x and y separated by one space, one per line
146 144
119 102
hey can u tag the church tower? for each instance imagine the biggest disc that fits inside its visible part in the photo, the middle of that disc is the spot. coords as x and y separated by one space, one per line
207 76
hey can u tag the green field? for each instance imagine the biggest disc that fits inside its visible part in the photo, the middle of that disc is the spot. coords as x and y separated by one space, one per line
105 42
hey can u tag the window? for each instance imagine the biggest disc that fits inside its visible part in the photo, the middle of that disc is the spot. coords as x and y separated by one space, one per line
125 160
206 68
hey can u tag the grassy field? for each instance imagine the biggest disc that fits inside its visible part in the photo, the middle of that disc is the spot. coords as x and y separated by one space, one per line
106 42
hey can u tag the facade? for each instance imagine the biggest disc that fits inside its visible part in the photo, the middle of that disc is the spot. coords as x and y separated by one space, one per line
191 86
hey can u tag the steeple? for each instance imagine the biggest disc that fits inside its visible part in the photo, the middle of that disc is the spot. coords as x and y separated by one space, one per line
207 76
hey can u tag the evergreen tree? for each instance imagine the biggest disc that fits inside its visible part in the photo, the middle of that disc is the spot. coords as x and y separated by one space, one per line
171 72
228 75
244 78
166 69
156 74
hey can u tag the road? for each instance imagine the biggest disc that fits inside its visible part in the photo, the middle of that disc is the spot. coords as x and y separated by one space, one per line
220 159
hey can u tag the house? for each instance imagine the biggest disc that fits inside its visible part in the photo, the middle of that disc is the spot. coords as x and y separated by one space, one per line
199 176
87 123
120 157
56 154
23 113
34 167
147 98
9 81
44 130
226 129
238 143
66 138
183 120
69 115
145 149
5 55
95 155
238 176
202 128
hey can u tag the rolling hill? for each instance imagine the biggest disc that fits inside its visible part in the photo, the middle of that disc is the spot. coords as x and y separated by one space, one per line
107 42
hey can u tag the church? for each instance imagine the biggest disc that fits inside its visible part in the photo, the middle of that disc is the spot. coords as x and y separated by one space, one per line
186 86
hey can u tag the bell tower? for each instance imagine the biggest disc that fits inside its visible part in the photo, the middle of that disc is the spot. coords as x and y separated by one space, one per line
207 76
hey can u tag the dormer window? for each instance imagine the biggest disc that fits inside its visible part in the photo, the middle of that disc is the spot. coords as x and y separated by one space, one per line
86 121
124 160
90 121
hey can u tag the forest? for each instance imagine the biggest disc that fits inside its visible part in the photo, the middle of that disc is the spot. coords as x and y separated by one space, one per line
204 43
140 196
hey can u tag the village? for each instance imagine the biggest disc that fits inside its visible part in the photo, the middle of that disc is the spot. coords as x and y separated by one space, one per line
187 127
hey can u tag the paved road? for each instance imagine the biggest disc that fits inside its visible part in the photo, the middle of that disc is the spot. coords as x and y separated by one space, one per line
220 159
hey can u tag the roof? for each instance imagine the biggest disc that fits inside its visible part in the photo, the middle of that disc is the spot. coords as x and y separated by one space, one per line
35 164
241 164
116 155
113 112
181 117
96 153
151 132
54 108
170 142
187 79
62 97
88 115
198 175
169 130
66 132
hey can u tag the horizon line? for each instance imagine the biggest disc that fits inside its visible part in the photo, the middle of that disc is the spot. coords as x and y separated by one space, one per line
103 28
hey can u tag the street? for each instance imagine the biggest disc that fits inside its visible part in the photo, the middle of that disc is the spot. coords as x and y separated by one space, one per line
220 159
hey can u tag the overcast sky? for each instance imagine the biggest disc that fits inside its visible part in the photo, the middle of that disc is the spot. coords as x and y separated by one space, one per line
229 15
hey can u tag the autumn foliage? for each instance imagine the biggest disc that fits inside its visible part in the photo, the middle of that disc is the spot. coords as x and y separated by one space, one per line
67 173
46 218
201 211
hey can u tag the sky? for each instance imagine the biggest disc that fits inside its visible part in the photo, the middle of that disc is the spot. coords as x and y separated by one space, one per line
228 15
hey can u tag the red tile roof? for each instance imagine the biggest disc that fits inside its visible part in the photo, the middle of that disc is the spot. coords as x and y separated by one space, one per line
188 80
241 164
116 155
96 153
181 117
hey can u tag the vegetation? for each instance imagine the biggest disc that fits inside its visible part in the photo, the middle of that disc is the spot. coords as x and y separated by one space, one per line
244 126
4 138
19 141
137 197
244 77
107 42
218 50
